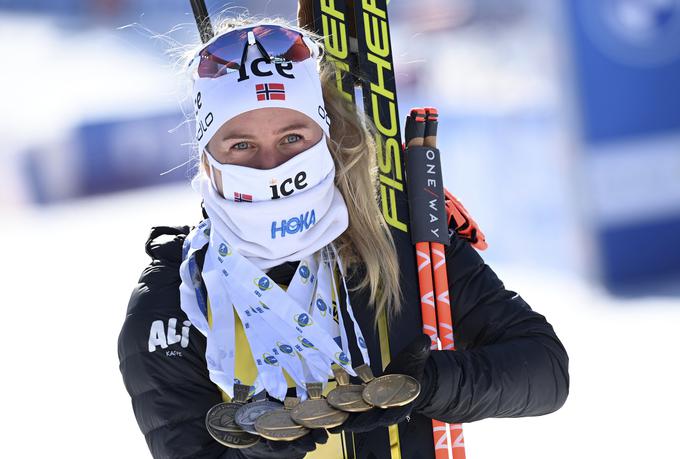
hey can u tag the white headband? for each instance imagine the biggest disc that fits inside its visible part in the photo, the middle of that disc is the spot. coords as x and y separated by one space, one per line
294 85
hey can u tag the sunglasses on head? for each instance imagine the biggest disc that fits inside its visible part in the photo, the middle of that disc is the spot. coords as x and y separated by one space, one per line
276 43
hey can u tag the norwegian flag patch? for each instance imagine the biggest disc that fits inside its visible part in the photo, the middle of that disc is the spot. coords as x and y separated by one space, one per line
242 197
270 91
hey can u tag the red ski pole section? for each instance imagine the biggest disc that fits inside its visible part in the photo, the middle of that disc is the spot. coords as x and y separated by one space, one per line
445 331
454 432
441 289
428 311
427 303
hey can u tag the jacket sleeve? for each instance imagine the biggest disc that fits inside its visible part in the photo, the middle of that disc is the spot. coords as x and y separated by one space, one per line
164 372
509 361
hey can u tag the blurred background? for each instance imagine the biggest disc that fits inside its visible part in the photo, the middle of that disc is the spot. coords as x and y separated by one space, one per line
560 132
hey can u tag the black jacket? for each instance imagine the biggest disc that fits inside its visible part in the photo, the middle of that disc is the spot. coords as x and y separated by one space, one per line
509 362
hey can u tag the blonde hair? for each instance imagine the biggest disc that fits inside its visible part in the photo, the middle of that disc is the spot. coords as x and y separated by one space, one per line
366 247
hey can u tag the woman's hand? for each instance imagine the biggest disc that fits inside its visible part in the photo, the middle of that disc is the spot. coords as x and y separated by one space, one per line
296 449
410 361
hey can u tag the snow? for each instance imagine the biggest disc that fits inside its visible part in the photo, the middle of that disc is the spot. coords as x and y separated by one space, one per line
70 269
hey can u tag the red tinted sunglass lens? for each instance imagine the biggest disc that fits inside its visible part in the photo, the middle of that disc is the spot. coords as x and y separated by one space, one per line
282 43
209 67
298 51
225 53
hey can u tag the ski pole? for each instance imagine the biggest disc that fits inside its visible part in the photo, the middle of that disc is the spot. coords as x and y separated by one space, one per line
202 19
454 432
414 136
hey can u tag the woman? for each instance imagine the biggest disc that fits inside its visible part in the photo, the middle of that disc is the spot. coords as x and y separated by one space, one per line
293 230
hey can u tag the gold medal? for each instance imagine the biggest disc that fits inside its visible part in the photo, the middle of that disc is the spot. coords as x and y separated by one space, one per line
233 439
246 416
316 413
221 417
278 425
347 397
220 421
388 391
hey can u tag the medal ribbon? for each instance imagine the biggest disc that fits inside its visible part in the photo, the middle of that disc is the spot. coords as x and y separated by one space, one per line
280 335
363 349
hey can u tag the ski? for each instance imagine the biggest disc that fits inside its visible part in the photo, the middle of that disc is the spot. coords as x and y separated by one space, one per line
357 39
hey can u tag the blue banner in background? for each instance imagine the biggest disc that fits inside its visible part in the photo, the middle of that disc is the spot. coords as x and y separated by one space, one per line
131 153
628 66
626 56
111 155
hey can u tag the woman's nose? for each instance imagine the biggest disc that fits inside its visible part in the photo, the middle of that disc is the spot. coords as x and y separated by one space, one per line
270 158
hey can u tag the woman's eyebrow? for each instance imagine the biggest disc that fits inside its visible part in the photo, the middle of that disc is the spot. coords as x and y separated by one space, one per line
290 127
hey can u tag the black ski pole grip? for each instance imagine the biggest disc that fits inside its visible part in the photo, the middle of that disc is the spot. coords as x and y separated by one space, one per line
426 195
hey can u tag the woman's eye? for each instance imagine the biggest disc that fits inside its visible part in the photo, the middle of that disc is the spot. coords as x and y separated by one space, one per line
292 138
240 146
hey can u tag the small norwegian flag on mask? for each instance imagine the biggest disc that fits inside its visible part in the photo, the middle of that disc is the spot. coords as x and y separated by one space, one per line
242 197
270 91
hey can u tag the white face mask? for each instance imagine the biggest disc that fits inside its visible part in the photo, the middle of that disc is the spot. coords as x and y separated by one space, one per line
303 171
272 231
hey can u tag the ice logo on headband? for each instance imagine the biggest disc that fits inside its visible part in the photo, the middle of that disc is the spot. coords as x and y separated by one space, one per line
284 69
